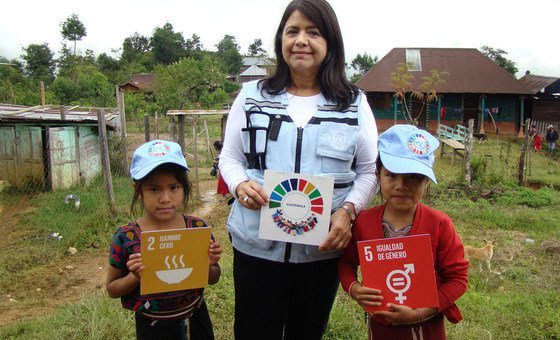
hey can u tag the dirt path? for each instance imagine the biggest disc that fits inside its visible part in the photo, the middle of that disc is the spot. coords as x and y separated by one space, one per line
79 275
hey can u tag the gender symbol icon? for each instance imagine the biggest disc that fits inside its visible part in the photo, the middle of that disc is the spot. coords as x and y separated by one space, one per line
398 281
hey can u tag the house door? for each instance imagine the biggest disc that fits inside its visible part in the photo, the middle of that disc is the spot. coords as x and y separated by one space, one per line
62 149
470 109
21 156
29 144
8 154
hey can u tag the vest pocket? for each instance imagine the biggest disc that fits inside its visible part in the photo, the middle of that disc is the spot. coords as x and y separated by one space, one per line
336 146
244 223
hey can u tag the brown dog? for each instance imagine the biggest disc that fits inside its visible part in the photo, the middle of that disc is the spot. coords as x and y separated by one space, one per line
481 254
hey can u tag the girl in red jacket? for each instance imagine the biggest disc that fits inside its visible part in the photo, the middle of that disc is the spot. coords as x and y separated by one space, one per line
404 171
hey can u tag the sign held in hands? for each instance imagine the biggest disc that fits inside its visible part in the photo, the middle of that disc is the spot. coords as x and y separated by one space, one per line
402 268
299 210
174 260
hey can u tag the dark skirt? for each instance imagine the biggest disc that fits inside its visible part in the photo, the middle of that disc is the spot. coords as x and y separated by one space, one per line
432 329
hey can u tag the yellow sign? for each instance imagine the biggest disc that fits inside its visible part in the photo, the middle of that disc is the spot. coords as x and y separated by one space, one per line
174 260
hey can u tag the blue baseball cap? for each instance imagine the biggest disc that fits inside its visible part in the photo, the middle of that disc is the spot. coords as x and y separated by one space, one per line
406 149
154 153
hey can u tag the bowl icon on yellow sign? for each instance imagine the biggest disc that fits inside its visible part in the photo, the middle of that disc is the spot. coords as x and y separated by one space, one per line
176 275
172 276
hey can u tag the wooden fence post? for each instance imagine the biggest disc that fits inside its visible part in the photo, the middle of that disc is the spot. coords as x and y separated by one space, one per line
521 180
195 153
147 128
42 95
172 127
468 152
210 151
120 107
156 132
106 165
181 134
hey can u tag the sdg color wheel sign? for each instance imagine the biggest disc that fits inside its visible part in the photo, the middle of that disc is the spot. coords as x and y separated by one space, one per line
299 207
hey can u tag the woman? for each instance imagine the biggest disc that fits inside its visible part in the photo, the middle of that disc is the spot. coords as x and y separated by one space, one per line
305 118
536 135
551 138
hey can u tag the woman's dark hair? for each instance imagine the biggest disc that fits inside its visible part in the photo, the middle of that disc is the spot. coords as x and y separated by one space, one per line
178 172
218 144
332 77
378 165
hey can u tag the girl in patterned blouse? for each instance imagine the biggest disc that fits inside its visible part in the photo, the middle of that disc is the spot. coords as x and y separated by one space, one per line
159 171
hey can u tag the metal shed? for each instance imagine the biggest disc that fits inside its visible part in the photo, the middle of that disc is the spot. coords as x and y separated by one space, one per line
50 148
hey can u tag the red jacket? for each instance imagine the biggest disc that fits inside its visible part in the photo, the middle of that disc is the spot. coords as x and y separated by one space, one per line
450 265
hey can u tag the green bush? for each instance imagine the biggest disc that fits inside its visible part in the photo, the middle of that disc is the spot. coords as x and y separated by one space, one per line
525 196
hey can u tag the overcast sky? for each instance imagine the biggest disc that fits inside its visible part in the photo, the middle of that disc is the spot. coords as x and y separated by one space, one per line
527 30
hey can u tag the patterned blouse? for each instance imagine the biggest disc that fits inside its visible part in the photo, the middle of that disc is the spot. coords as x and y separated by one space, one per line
161 306
389 231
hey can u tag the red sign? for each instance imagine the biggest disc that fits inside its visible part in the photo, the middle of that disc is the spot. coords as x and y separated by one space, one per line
402 268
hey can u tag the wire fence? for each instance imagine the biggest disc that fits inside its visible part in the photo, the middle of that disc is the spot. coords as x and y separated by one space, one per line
35 159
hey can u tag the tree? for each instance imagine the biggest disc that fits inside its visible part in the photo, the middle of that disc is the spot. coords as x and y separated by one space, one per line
65 61
228 52
107 63
362 64
168 46
73 30
194 48
497 56
256 49
15 87
188 83
109 66
427 92
135 47
68 62
90 87
39 62
89 57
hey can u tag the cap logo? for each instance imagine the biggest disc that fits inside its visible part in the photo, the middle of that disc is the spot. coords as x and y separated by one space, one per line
158 149
418 143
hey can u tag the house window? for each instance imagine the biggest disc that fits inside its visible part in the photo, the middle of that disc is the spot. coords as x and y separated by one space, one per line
413 57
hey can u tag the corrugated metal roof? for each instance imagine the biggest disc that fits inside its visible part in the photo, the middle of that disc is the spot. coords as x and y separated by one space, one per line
469 70
252 71
51 114
537 83
259 61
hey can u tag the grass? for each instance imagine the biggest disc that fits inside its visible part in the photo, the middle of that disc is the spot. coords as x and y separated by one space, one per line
518 299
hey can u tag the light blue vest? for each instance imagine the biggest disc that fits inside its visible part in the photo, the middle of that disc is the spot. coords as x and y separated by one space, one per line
324 147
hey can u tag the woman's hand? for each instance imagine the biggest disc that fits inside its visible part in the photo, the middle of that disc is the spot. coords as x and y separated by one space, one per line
251 195
364 296
134 264
398 314
340 231
215 252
